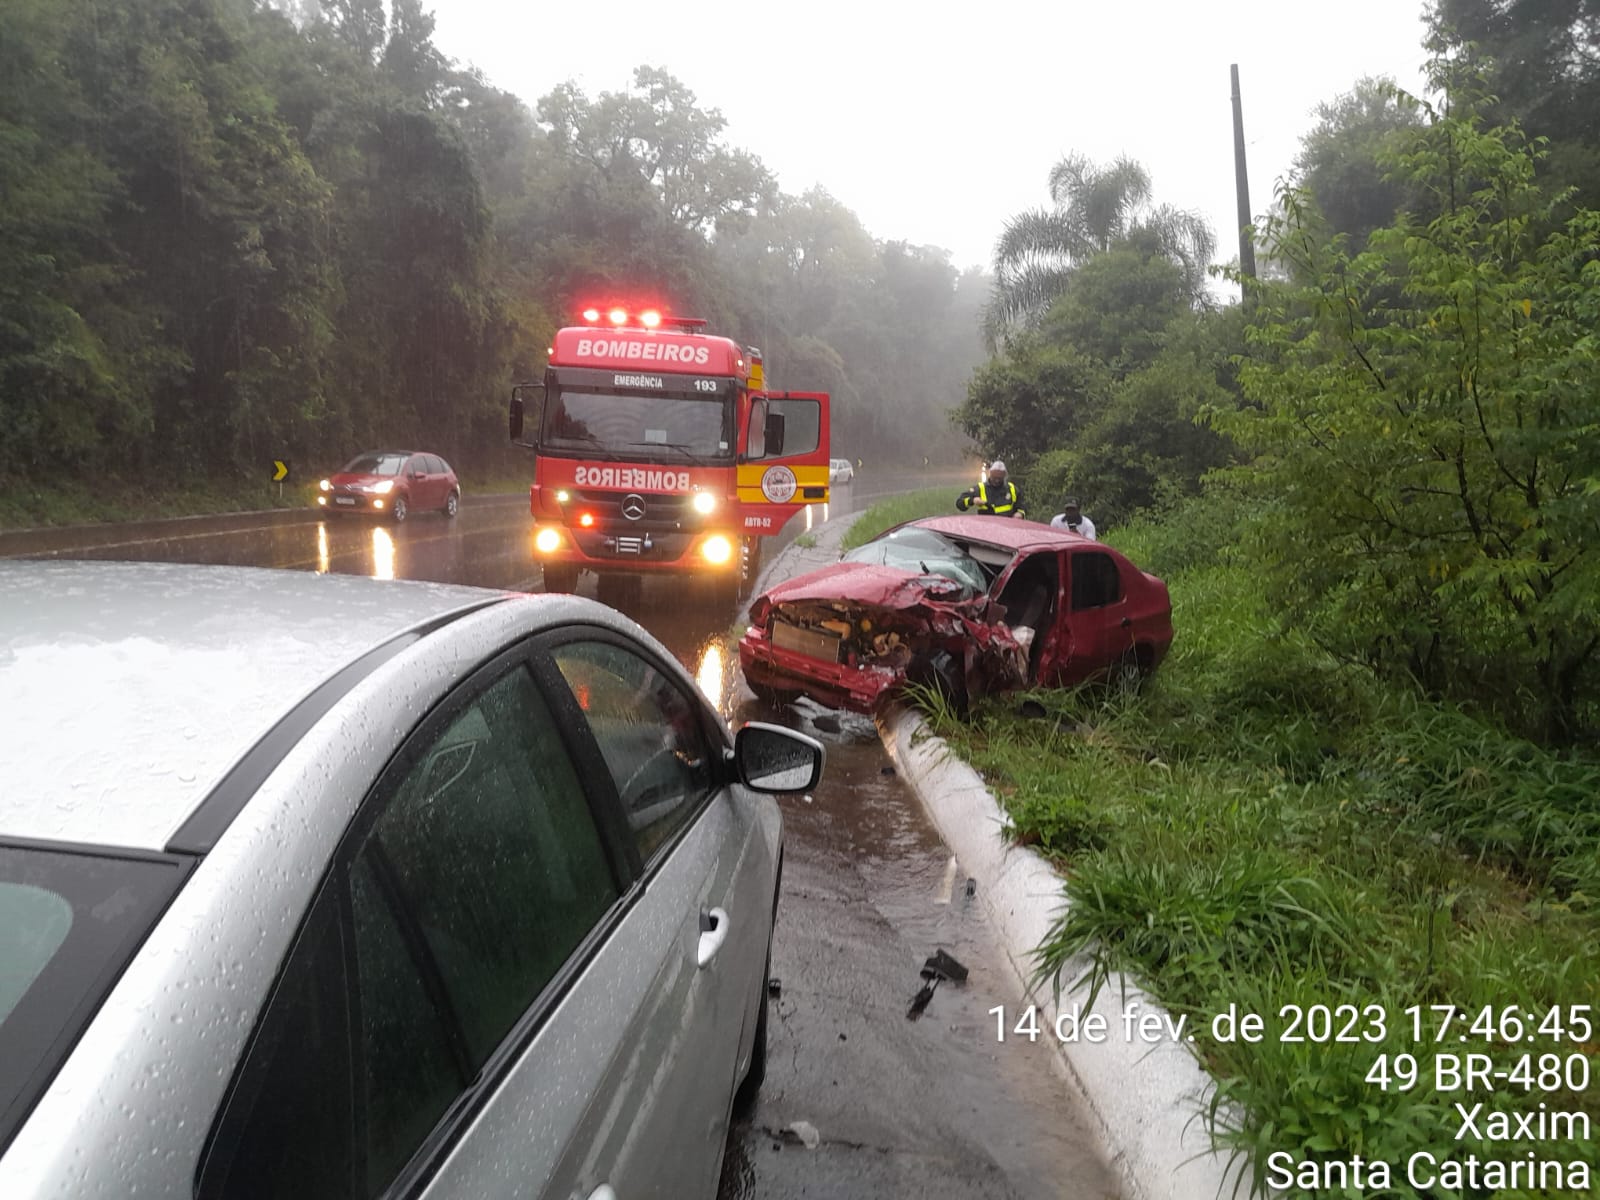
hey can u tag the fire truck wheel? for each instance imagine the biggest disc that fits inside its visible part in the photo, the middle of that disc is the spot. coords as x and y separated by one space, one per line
560 577
399 510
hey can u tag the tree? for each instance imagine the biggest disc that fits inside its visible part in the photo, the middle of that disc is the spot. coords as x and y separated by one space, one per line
1434 461
1541 60
1093 209
1339 162
1035 397
659 135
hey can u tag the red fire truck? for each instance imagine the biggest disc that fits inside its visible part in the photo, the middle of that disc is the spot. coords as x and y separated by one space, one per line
658 450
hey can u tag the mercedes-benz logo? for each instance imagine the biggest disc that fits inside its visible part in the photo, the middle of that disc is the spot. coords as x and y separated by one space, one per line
633 506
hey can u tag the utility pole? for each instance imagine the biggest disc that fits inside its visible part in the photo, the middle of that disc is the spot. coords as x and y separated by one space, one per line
1247 252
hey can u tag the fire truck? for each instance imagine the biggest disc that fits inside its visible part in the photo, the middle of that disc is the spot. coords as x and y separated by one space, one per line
659 451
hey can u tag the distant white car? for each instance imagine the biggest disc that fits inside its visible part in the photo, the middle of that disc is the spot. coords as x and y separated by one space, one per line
840 470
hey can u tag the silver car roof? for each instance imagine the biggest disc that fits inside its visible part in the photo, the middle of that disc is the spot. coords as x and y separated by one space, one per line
128 690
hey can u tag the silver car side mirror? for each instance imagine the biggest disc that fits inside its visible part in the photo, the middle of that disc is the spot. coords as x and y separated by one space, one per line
770 758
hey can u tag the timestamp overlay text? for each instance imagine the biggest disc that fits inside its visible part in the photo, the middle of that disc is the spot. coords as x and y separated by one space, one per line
1499 1094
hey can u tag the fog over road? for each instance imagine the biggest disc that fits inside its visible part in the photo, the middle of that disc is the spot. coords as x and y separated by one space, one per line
931 1108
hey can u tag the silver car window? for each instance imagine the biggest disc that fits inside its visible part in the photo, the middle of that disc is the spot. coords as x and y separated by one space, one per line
494 855
649 733
479 875
70 917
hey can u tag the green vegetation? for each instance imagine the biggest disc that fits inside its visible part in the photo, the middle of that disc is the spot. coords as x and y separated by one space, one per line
886 514
1422 417
1367 773
1265 825
233 230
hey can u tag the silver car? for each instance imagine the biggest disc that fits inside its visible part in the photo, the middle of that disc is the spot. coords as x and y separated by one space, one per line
321 886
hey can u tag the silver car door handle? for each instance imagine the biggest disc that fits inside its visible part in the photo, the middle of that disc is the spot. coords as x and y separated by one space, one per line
604 1192
712 935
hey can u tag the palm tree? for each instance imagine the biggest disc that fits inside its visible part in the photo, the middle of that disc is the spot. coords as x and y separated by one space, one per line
1093 209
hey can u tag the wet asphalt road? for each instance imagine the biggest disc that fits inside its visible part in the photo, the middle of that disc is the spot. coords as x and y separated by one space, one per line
927 1109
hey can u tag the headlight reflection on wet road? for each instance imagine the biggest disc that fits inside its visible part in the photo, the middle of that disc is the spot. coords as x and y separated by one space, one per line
711 675
382 553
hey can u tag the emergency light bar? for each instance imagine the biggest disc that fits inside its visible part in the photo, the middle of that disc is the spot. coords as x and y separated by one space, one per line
649 318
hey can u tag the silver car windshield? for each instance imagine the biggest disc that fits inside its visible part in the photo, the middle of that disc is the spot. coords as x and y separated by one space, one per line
922 550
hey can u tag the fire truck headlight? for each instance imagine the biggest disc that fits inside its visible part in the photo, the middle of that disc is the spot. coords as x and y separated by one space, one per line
704 503
547 540
717 550
323 500
325 486
384 488
563 496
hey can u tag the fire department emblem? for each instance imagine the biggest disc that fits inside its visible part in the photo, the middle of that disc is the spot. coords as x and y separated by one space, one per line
778 485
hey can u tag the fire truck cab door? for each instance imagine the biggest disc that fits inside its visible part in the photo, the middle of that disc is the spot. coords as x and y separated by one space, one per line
783 454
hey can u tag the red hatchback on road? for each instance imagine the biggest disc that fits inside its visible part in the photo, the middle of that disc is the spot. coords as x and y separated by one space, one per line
393 483
970 604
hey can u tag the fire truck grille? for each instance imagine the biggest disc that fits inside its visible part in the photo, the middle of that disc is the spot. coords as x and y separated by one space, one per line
660 512
656 547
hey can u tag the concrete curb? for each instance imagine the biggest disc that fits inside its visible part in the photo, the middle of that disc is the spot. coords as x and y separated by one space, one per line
1146 1096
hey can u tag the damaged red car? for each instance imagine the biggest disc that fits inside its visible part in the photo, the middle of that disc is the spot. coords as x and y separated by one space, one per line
967 604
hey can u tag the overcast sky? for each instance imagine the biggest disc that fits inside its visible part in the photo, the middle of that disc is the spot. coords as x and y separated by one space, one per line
936 122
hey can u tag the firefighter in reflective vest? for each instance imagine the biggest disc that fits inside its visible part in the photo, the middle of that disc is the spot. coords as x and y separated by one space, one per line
996 495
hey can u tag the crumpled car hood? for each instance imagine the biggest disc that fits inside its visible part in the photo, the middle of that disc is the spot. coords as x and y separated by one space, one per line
869 583
893 622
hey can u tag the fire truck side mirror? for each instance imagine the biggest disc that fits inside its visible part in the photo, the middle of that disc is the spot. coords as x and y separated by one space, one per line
774 435
522 395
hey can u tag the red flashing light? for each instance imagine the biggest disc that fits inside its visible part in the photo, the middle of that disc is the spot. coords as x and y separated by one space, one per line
650 318
586 520
591 314
618 316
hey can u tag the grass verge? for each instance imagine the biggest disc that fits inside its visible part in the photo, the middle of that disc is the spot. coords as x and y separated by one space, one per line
1264 829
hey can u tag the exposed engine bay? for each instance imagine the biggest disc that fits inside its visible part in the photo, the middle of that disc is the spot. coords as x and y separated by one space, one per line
925 630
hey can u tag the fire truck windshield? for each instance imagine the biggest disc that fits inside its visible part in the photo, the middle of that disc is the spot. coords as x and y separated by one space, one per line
633 426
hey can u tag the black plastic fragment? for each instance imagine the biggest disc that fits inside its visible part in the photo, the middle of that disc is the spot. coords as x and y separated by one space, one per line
920 1000
941 966
774 987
